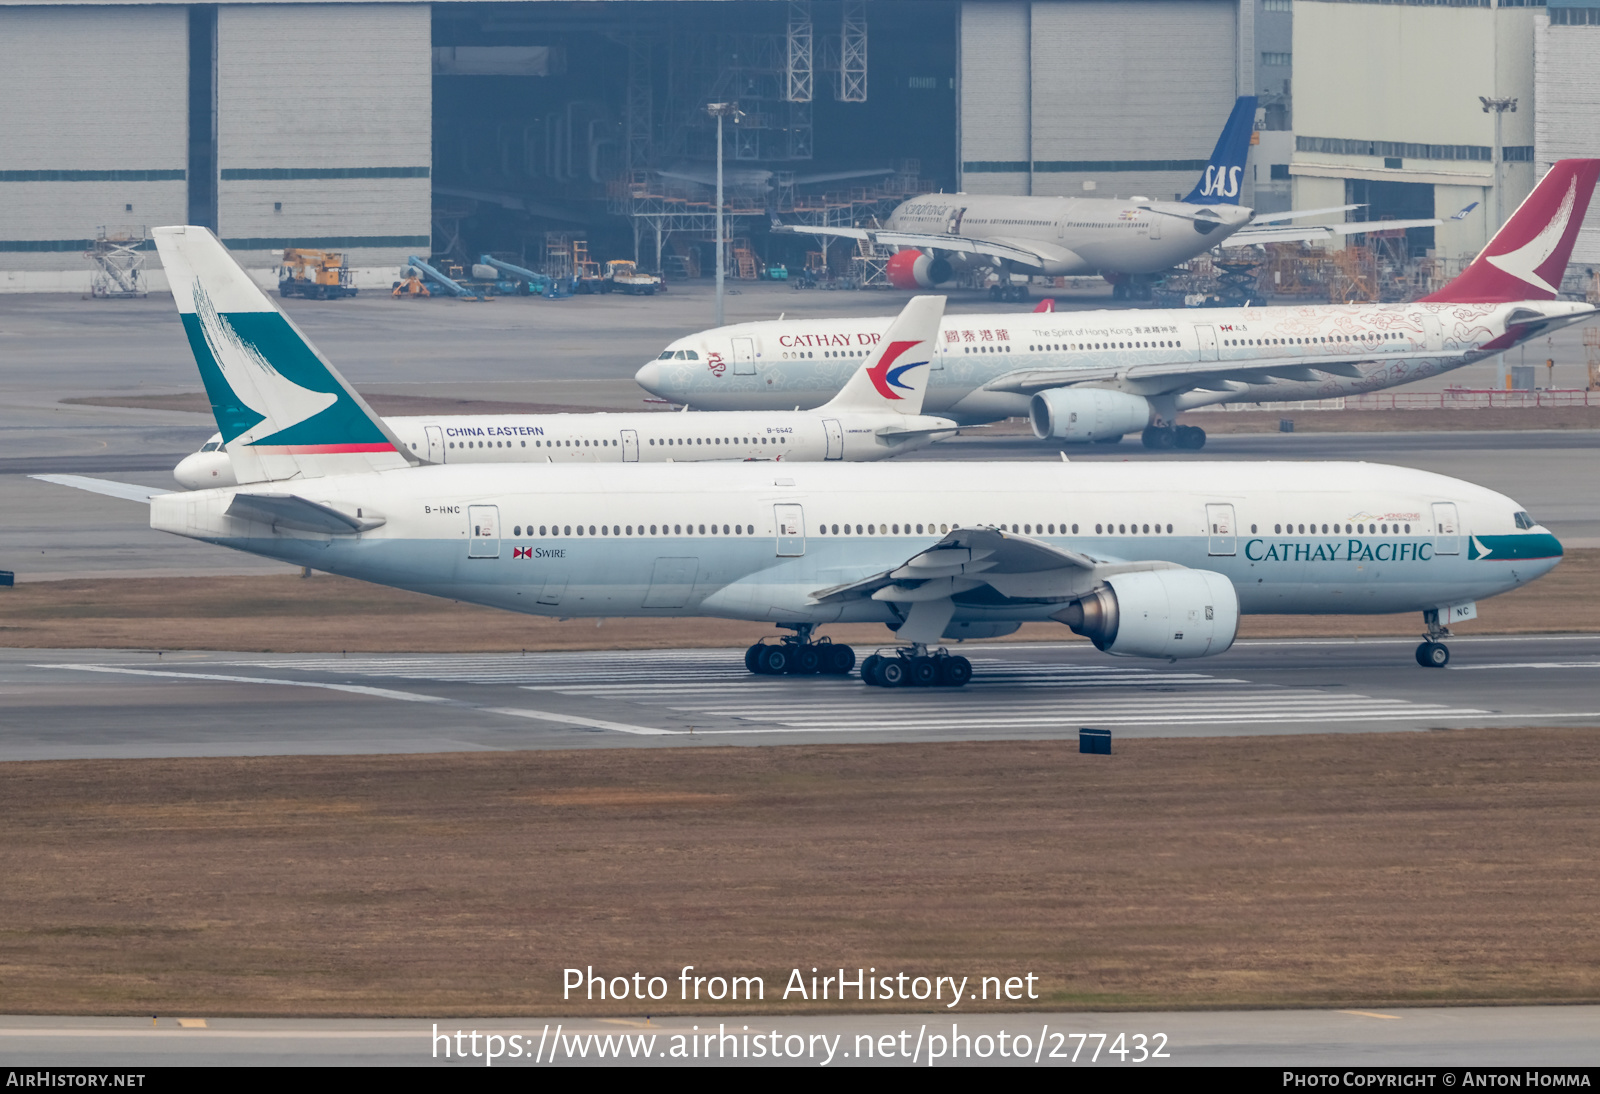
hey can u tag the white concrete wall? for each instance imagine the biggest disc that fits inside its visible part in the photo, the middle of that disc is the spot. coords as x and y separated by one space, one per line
325 90
89 90
1567 72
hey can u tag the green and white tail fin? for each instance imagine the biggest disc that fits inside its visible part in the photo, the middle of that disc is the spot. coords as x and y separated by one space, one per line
283 410
894 377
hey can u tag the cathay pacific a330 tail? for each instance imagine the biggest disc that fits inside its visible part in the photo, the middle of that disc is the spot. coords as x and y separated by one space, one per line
1145 560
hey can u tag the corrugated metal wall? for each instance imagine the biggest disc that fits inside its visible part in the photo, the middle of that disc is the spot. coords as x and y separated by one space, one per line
93 119
1118 92
325 110
1567 86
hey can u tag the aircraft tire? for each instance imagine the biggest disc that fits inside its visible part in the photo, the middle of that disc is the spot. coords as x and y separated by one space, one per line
838 660
954 672
1158 438
776 660
894 672
1433 655
807 661
1191 438
869 670
924 672
752 658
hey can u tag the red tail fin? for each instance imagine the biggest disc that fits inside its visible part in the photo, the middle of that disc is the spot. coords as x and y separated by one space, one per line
1528 255
1047 304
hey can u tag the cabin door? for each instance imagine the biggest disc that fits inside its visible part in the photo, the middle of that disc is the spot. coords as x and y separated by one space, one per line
835 438
1220 536
1207 337
791 522
483 526
630 446
744 357
435 437
1446 529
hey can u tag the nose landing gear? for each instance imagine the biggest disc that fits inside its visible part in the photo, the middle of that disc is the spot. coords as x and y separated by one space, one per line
917 668
798 655
1434 654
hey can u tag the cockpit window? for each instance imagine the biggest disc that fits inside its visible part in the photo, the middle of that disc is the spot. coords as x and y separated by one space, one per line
212 446
690 355
666 355
1523 520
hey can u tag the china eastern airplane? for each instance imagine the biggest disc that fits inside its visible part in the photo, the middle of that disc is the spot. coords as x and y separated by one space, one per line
1097 375
1127 240
1146 560
876 415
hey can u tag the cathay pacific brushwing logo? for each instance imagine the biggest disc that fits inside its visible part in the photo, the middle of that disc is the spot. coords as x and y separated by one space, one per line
885 375
1524 262
279 401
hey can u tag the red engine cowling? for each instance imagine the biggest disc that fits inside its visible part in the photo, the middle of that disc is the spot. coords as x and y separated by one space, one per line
915 270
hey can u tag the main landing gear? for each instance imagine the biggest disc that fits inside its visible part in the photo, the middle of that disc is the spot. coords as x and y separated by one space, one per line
916 668
1190 438
1434 654
798 655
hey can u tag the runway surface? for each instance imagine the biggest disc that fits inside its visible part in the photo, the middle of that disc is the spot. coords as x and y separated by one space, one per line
100 704
1441 1038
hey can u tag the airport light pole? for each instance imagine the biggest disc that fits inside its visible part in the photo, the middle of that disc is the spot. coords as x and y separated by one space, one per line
1499 108
720 111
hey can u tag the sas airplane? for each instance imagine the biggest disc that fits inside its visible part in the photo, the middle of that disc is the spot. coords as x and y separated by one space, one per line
1097 375
935 236
1145 560
876 415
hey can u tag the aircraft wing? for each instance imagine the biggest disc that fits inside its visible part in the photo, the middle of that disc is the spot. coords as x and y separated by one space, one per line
1295 214
127 491
1015 566
882 237
1312 233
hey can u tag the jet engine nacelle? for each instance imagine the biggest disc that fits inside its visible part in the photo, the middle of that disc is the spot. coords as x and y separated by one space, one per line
1158 613
1086 413
915 270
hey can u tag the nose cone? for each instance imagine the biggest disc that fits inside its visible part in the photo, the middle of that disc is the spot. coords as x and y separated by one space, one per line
649 377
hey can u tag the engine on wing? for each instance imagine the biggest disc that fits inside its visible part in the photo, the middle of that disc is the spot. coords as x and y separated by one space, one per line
915 270
1086 413
1158 613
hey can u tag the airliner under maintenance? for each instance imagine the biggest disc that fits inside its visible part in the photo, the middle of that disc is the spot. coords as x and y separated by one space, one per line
1097 375
1126 240
876 415
1148 560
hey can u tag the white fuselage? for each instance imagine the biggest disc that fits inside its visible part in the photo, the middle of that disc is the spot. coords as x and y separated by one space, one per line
803 362
1074 236
758 541
648 437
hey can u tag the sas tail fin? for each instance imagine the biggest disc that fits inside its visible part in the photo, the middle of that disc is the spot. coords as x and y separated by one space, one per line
1220 183
895 375
1528 255
283 411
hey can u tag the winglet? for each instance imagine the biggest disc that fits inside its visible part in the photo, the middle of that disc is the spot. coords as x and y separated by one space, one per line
895 374
1528 255
1220 183
283 410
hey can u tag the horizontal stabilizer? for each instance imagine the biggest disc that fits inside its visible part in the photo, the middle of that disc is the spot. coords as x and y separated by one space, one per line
127 491
291 511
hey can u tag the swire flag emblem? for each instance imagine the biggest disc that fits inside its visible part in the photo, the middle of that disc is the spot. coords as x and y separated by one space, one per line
522 552
885 375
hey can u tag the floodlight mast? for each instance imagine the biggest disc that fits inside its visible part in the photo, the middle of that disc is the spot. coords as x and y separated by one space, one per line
720 111
1499 108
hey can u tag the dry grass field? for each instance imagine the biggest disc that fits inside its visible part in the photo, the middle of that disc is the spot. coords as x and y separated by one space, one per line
1371 870
324 613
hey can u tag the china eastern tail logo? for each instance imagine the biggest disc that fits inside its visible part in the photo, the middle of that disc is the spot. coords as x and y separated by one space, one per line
885 375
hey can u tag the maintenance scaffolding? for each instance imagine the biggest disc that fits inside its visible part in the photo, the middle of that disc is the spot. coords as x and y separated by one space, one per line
118 255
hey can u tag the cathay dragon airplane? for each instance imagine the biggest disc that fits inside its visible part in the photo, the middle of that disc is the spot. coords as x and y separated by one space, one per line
1145 560
936 236
876 415
1097 375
